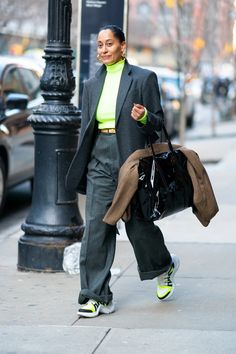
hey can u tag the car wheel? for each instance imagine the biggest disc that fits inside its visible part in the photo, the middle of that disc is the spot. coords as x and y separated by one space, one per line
2 185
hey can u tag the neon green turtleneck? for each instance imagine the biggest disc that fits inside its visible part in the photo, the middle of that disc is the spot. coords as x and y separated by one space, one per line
107 105
106 108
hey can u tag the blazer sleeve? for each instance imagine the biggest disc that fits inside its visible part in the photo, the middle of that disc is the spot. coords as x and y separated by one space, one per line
85 111
152 102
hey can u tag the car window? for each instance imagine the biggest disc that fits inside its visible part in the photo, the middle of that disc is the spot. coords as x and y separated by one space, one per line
31 82
12 82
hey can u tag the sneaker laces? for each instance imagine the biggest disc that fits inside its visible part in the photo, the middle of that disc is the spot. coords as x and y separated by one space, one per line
165 279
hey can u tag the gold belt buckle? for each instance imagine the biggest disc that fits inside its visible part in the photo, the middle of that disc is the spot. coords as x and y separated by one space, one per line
108 131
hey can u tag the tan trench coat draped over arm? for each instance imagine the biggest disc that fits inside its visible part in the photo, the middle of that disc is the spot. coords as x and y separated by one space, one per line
204 202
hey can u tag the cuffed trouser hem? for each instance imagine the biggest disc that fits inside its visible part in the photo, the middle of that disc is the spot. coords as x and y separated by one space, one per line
153 274
86 294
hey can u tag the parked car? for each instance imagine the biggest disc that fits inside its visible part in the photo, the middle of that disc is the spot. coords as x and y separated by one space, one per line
19 94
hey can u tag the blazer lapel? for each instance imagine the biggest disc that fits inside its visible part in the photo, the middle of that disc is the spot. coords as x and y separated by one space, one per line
97 89
125 83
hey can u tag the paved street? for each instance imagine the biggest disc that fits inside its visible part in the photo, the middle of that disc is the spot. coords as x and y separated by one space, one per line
38 310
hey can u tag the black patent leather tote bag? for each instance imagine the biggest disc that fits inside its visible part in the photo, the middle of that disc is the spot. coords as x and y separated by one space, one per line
164 186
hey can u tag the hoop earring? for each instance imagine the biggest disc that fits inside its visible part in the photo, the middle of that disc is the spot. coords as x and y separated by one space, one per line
98 58
123 55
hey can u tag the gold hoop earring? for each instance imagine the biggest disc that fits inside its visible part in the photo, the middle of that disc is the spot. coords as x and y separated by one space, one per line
98 58
123 55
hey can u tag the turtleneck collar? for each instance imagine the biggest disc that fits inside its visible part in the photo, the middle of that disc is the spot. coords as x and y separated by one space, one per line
116 66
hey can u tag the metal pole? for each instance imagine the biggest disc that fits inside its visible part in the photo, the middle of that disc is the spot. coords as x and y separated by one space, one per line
54 220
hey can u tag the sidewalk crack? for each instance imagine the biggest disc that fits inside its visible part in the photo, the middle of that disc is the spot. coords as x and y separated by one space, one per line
73 323
95 349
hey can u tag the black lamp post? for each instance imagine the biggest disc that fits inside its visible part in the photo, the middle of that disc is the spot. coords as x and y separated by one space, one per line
54 221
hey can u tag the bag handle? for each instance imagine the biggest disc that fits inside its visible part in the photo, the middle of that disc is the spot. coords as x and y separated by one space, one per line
155 161
167 138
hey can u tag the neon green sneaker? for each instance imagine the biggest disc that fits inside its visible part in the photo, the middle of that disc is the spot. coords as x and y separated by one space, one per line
93 308
165 282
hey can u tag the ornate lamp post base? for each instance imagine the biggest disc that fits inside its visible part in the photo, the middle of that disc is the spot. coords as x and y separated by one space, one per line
42 253
54 221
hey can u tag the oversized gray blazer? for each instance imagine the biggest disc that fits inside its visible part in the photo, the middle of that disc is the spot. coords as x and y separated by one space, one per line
137 85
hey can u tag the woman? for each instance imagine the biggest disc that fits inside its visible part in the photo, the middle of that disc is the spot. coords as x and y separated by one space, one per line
120 110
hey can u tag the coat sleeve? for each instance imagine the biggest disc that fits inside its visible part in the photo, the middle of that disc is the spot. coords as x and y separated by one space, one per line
152 102
85 111
205 206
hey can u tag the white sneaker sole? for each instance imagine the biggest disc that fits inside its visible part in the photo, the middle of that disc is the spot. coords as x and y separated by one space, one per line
107 309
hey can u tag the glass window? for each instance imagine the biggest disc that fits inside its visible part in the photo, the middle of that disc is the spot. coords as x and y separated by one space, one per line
31 82
12 82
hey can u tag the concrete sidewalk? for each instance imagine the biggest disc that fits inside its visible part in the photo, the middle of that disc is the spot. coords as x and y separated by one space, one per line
38 310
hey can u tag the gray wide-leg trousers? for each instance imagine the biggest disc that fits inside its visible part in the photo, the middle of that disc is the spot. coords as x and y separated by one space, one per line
99 240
